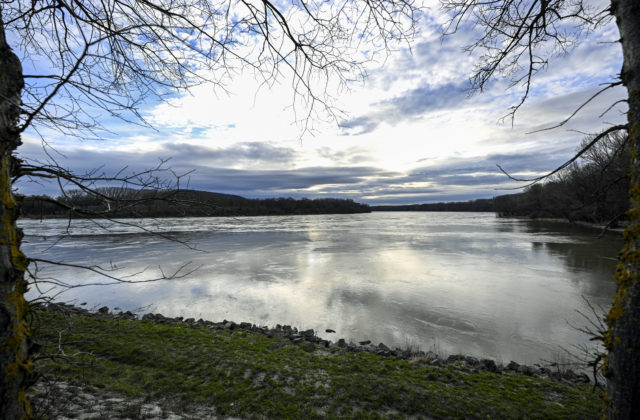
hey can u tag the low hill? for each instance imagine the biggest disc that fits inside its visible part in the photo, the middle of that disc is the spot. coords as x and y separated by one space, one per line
177 203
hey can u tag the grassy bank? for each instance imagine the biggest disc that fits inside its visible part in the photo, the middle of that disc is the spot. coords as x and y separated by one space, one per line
247 374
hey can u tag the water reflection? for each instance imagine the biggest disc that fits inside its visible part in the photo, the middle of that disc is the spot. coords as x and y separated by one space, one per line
454 282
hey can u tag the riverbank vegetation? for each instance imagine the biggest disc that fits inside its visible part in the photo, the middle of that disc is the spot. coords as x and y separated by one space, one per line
127 202
593 190
183 367
482 204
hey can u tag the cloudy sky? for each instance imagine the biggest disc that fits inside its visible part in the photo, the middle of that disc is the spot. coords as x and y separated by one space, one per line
410 133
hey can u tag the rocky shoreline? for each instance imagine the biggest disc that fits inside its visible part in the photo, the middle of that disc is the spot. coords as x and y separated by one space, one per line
310 337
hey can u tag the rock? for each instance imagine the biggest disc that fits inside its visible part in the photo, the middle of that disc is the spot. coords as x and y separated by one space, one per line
104 310
472 361
329 330
456 358
150 410
308 333
341 343
364 343
527 370
513 366
383 350
190 320
245 325
489 365
127 315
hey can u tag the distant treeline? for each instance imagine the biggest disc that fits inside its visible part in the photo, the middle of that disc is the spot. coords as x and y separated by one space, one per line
473 205
122 202
594 190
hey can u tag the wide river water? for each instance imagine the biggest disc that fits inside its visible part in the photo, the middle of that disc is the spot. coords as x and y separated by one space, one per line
471 283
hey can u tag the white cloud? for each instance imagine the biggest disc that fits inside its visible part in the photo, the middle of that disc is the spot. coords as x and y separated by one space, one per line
411 117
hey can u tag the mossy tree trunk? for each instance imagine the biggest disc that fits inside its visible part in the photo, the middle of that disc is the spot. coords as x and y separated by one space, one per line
15 365
622 367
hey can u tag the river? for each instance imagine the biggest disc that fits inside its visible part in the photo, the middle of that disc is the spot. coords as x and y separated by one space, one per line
508 289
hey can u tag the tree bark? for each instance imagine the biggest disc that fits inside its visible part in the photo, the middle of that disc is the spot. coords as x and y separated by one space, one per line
15 363
622 367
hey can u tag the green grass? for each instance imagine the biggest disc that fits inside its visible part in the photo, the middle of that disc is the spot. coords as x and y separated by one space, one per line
248 374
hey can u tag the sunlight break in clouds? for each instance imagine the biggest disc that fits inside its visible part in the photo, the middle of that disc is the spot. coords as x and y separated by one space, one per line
410 133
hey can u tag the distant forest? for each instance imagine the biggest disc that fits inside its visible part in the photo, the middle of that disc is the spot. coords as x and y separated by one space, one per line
594 190
123 202
473 205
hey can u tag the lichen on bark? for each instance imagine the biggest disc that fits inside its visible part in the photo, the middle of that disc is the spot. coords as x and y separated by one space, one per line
16 366
622 340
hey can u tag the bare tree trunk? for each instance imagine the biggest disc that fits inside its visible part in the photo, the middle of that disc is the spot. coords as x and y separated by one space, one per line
15 364
622 367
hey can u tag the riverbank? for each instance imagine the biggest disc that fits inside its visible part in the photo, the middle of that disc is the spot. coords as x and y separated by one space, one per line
114 366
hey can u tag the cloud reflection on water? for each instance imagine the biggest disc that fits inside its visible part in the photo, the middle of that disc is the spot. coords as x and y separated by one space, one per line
453 282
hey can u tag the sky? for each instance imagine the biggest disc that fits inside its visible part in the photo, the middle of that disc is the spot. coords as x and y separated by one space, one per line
410 133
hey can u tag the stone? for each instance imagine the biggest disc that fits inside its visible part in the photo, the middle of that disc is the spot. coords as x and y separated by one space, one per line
341 343
104 310
245 325
364 343
513 366
329 330
190 320
308 333
150 410
472 361
527 370
456 358
489 365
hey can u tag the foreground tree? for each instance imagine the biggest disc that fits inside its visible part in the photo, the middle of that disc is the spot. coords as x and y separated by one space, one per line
518 39
91 60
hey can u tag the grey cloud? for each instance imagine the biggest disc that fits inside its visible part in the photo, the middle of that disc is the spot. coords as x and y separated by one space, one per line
259 181
410 104
241 152
454 179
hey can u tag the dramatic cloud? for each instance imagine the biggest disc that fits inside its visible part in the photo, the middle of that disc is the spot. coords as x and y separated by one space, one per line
410 134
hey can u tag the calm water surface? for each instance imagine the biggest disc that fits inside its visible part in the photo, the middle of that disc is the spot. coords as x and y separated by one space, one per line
454 282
